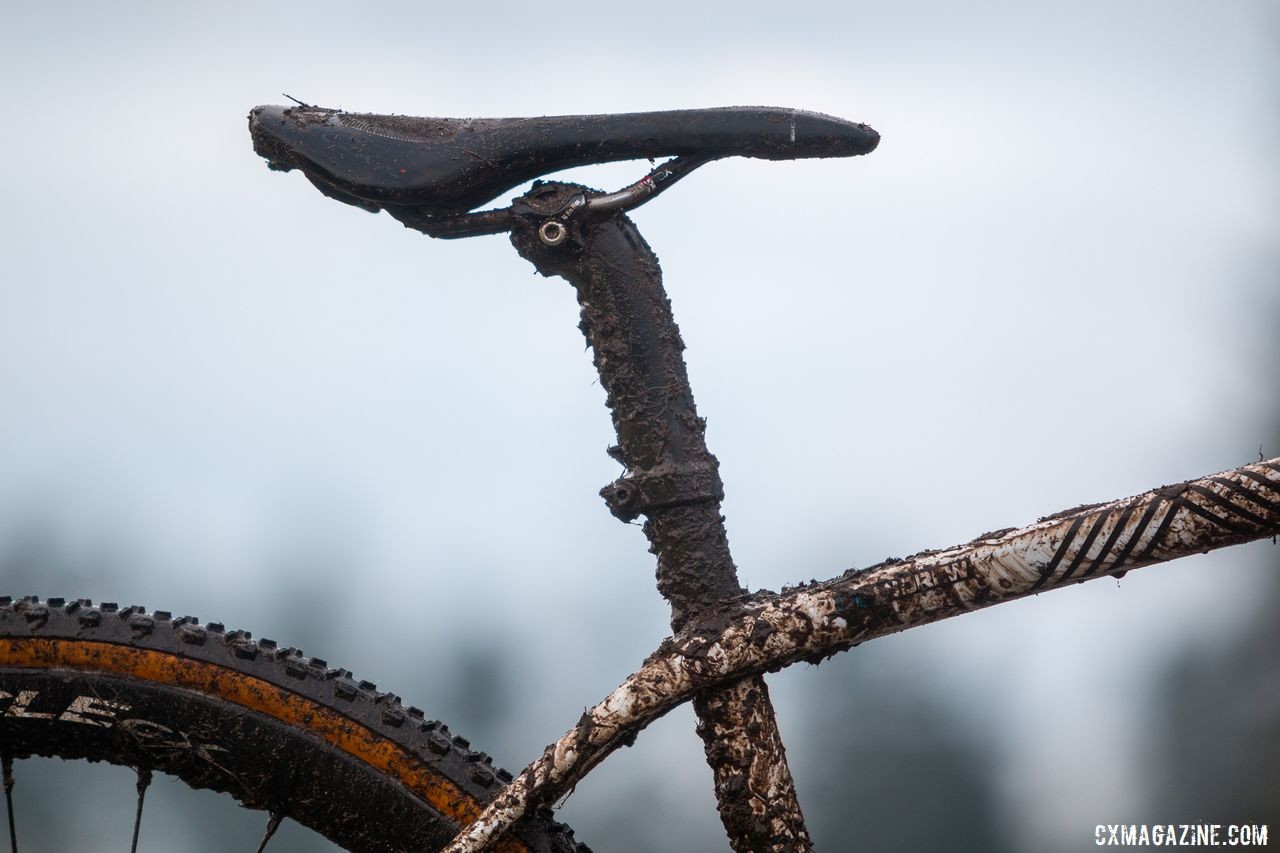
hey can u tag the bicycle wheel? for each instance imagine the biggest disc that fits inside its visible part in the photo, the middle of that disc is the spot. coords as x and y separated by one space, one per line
273 729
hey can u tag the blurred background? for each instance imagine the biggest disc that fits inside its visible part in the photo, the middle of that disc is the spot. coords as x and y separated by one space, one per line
1055 282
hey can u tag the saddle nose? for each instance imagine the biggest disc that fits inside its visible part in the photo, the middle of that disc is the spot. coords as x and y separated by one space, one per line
399 160
262 121
299 138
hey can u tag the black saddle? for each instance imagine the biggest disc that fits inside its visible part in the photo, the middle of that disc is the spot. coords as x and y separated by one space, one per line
443 166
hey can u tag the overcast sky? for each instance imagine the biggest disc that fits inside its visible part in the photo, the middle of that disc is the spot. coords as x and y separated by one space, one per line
1053 283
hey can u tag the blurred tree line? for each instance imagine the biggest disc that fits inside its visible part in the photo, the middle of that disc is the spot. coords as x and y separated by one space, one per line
897 769
1216 743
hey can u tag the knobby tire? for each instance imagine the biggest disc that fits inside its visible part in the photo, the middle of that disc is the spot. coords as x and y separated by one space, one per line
263 723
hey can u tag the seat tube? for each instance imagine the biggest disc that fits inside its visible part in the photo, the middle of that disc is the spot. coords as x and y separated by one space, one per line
673 481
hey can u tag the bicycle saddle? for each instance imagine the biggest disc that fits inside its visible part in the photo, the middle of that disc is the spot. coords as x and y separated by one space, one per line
445 166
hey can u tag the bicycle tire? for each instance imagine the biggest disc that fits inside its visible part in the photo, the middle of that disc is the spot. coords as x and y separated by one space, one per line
262 723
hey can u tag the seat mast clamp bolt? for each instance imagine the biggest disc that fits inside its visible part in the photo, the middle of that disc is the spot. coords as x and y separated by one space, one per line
638 492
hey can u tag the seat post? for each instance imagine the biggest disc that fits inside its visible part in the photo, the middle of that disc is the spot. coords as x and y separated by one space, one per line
672 479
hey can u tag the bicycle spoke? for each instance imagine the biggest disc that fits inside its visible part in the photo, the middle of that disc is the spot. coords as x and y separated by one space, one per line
6 761
144 781
273 823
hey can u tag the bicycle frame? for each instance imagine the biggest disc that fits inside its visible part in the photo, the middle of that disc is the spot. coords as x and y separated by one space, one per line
672 479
